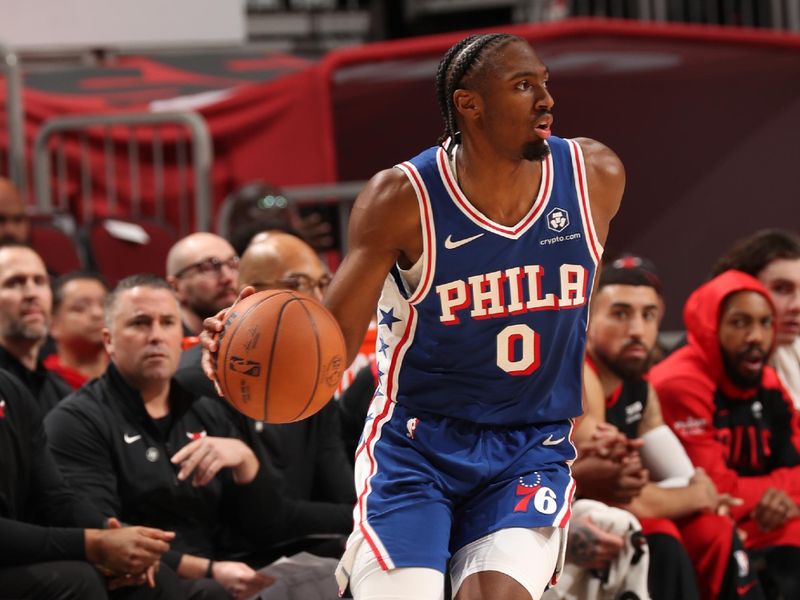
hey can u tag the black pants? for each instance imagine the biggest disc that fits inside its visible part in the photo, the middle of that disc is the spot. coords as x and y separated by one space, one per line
671 573
779 571
78 580
59 580
740 581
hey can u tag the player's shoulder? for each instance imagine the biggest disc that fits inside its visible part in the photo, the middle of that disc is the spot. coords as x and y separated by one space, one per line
388 197
600 158
605 176
388 188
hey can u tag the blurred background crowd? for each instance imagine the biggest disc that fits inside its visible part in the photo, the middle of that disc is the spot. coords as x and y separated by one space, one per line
148 173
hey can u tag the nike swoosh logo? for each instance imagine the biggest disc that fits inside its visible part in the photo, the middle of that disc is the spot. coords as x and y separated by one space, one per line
551 442
129 439
451 244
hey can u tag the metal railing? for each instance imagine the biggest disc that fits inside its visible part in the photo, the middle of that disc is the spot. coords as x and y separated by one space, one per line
774 14
63 140
340 194
13 122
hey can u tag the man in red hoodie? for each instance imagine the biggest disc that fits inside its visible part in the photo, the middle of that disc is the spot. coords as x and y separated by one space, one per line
735 419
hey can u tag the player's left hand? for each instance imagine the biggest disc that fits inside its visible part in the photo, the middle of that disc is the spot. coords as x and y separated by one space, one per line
205 457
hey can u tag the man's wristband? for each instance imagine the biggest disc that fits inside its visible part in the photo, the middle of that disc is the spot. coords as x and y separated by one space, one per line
210 569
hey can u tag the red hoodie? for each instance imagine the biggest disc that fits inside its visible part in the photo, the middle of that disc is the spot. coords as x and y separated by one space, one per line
742 437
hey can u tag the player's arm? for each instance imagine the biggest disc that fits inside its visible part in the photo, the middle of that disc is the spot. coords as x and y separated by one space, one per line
605 178
384 228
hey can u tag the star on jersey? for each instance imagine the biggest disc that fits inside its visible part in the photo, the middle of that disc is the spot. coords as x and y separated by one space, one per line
388 318
383 347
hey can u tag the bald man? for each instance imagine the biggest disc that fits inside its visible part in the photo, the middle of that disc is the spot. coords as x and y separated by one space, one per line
310 454
278 260
14 223
202 269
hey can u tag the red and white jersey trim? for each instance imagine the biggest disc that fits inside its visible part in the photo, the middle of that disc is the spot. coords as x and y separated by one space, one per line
428 232
481 220
582 190
382 408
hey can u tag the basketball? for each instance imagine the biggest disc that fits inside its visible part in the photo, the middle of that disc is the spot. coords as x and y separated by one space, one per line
281 355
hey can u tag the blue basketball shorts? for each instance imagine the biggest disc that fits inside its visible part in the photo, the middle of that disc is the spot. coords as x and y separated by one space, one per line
428 485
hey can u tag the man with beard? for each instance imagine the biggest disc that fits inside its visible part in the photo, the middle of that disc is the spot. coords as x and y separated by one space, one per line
26 304
680 507
479 255
735 419
202 269
773 257
77 328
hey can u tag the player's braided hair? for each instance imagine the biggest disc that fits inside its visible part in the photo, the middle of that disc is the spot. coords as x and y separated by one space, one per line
457 63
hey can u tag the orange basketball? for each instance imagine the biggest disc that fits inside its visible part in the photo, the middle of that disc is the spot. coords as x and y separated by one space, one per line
280 357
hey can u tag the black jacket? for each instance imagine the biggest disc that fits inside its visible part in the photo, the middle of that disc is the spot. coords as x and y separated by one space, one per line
39 514
47 388
309 454
115 454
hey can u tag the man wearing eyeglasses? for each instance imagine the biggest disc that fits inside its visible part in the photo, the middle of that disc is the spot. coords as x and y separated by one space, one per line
14 223
202 269
310 454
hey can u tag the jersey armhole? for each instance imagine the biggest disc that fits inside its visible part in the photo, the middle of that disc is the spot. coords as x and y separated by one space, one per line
428 257
582 192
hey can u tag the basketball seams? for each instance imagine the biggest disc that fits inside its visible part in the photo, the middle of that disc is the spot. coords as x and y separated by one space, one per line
275 335
232 334
260 338
315 329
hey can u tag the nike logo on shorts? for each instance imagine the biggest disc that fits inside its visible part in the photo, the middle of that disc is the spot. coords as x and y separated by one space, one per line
129 439
451 244
551 442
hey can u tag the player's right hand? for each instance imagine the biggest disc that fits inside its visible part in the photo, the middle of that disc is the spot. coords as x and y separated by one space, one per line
209 337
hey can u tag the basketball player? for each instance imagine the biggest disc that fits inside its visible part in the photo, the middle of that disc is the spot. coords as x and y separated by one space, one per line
480 255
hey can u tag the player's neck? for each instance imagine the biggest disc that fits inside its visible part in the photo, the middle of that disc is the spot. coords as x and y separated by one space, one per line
503 189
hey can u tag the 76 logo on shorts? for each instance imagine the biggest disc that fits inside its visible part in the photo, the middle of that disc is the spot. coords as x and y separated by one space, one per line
544 499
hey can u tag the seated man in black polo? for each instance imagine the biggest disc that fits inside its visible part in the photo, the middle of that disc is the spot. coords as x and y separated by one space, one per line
310 454
145 450
50 540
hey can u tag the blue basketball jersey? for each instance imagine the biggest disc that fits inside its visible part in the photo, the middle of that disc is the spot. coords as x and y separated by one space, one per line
494 331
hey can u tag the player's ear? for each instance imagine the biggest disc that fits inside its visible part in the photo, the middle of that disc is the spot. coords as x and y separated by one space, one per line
467 103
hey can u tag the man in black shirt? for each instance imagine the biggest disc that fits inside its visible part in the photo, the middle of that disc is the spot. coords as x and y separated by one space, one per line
310 454
26 304
45 551
145 450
